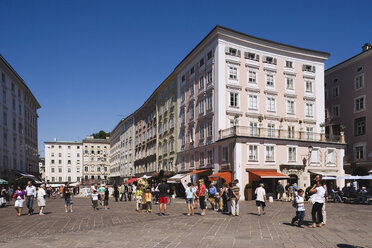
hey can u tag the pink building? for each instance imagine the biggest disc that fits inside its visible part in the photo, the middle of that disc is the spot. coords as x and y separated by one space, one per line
346 94
254 108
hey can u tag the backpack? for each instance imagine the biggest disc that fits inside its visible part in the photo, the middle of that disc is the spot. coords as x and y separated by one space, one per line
294 202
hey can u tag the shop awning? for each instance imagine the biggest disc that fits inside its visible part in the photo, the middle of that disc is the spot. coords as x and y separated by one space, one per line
184 179
225 175
27 175
198 171
2 181
268 174
324 172
132 180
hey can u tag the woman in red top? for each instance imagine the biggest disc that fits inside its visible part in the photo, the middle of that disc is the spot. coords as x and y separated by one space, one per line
201 196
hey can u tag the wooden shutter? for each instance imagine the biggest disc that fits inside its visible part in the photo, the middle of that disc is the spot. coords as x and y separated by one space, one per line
238 53
257 57
227 50
274 61
246 55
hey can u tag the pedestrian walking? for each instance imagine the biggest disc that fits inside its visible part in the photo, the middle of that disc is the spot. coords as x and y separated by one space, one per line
68 198
196 188
122 192
20 196
224 197
163 190
130 192
280 191
300 208
10 193
212 195
148 198
134 188
41 202
94 195
116 193
190 194
201 195
324 212
316 211
287 192
30 197
235 196
260 199
106 197
138 195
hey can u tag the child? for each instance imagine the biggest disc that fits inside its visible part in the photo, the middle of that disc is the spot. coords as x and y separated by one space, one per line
218 199
94 196
190 194
300 208
148 198
138 195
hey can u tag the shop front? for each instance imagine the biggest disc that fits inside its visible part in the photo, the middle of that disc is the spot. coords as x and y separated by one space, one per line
270 179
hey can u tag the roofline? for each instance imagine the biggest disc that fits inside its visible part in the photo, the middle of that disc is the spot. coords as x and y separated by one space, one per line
248 36
347 60
22 81
63 142
96 141
122 120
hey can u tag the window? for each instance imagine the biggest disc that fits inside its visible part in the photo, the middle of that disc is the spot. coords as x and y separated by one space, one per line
209 55
53 178
252 77
359 104
292 154
68 161
269 153
315 156
60 169
309 86
86 168
291 107
191 112
5 119
336 111
269 60
309 112
4 96
233 72
201 159
209 102
192 160
288 64
201 62
60 179
209 129
291 132
290 84
232 51
253 130
69 169
360 126
309 133
171 121
331 156
52 162
308 68
3 77
270 130
335 91
78 169
270 104
359 152
253 153
209 77
234 99
171 145
201 131
270 80
183 78
59 161
252 102
201 83
192 70
209 157
251 56
52 169
191 90
225 154
359 81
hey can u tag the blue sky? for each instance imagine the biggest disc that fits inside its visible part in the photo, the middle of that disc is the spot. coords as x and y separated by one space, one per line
90 63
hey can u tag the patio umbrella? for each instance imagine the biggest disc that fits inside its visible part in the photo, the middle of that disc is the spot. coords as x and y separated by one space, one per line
369 177
328 178
2 181
348 177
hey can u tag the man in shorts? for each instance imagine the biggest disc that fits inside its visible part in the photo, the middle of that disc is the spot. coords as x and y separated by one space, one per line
163 190
260 199
68 199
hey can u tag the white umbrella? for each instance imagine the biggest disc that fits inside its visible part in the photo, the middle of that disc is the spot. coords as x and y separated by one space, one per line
348 177
369 177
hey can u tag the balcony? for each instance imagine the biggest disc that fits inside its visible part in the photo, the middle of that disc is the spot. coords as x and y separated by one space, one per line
258 132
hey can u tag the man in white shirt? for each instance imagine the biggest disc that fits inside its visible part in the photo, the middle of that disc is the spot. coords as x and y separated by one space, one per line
41 198
260 199
30 197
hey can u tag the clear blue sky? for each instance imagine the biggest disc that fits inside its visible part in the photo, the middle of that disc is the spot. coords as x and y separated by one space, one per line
90 63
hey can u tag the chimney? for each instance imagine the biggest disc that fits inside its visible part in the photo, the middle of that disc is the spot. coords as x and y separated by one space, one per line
366 47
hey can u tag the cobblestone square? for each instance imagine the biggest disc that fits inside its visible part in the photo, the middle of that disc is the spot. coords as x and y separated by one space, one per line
121 226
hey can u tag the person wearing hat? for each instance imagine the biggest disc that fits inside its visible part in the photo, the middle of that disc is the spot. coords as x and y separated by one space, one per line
41 202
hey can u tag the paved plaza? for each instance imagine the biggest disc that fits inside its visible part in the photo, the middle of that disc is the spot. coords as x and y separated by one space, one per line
121 226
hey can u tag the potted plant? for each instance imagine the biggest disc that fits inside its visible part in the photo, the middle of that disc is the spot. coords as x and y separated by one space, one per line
342 128
322 125
248 192
260 118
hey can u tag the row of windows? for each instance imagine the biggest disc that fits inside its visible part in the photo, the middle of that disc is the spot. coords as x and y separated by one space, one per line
201 86
359 105
60 161
203 127
60 169
68 179
201 64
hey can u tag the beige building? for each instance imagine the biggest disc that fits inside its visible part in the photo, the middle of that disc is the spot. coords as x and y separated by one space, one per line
96 160
18 125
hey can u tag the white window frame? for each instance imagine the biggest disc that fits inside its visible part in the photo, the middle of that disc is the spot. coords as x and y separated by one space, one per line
274 151
249 71
252 108
254 161
362 81
223 150
293 83
267 74
236 99
309 109
201 83
291 147
267 104
359 144
209 102
272 132
335 157
312 87
253 128
309 133
317 157
234 69
364 103
339 110
287 106
334 90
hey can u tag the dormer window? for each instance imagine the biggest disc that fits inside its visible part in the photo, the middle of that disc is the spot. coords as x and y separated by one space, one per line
289 64
309 68
232 51
252 56
269 60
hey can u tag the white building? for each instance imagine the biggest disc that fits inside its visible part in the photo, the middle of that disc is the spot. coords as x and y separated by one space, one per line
63 161
96 163
18 125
